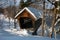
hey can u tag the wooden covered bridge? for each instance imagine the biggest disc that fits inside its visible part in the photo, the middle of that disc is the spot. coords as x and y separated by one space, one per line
29 18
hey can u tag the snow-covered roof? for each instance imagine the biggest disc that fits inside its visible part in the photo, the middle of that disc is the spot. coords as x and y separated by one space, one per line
34 12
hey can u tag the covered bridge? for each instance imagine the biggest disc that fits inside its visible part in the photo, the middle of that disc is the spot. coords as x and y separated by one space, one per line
29 18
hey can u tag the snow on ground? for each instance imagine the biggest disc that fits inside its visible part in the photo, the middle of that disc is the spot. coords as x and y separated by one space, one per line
4 22
20 33
4 35
7 31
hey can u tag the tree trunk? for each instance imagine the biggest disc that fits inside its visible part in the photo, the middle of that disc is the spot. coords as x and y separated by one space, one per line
14 24
43 19
14 14
9 23
53 23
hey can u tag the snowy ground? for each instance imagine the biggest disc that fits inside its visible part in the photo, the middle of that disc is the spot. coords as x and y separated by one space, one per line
4 35
9 33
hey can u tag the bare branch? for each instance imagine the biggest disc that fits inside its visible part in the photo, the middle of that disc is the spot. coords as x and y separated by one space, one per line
51 2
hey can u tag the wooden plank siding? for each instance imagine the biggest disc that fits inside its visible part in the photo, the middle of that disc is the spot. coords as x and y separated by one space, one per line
25 14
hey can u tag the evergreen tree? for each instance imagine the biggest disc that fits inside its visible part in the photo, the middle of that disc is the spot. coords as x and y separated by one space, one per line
21 4
25 4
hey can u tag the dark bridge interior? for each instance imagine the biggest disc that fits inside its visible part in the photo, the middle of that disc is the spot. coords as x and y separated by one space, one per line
26 22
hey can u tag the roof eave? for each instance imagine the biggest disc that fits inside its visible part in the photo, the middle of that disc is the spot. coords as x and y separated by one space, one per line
28 11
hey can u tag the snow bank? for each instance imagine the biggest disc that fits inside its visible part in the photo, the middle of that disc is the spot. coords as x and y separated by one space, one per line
22 32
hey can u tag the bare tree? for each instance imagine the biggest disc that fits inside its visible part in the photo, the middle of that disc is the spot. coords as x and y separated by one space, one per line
14 14
56 3
43 19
